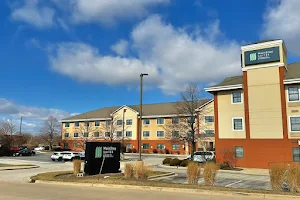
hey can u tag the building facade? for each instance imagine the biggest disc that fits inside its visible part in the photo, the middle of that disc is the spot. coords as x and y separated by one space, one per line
258 114
121 124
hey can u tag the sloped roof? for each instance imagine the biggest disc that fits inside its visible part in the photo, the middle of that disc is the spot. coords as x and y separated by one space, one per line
148 110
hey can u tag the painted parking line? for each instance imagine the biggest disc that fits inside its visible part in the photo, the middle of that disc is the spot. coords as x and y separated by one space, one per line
233 183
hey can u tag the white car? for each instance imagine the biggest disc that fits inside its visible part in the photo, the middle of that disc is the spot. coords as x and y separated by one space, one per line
39 148
69 156
57 156
202 156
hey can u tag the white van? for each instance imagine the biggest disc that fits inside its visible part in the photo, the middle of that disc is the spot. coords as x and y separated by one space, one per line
202 156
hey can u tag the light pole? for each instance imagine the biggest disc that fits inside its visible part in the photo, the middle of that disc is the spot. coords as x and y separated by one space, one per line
21 125
141 114
123 148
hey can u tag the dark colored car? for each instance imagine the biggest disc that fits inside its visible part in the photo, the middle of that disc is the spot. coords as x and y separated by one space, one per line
24 152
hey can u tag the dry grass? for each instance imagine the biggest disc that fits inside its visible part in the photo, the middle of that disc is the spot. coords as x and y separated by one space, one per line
76 166
210 173
293 178
277 177
128 170
193 173
141 171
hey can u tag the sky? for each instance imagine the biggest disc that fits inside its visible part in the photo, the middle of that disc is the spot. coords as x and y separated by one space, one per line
64 57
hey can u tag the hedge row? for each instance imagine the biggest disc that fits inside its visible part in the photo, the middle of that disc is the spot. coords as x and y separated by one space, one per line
176 162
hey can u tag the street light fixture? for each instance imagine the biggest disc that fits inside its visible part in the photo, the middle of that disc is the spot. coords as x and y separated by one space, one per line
141 114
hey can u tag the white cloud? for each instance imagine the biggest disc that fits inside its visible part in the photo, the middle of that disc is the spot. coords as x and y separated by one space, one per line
35 14
281 21
120 47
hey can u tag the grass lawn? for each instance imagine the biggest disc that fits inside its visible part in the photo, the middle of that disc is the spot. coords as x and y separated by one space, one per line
9 165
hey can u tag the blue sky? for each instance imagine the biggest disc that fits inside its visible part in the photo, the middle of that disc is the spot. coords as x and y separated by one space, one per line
62 57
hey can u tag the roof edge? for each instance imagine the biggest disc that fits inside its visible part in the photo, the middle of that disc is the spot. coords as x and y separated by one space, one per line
227 87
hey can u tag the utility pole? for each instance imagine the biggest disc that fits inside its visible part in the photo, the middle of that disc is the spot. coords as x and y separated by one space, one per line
141 115
21 125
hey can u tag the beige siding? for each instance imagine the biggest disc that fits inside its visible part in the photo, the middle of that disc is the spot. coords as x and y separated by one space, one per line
153 128
293 109
226 112
129 114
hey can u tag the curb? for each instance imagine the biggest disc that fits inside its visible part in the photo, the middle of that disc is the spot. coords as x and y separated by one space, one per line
157 154
161 175
171 167
16 168
166 189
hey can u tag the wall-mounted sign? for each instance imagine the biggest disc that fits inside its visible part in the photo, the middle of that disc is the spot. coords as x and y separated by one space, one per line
261 56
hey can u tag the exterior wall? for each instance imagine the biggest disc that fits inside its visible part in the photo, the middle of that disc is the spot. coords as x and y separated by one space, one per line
226 112
265 114
129 114
293 109
153 128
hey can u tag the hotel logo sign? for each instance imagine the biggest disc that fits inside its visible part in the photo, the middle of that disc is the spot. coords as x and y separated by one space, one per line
261 56
98 152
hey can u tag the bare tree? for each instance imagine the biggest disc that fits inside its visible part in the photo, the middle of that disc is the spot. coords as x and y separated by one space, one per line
112 131
7 127
50 132
183 127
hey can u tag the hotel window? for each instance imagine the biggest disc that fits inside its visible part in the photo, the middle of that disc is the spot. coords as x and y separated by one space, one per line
119 122
108 123
97 123
160 121
295 123
96 134
175 133
67 124
146 121
236 97
66 135
238 124
239 152
129 122
75 145
175 146
128 146
146 146
146 133
76 135
119 133
76 124
296 154
160 134
128 133
160 146
293 93
175 120
107 134
209 119
87 124
209 132
86 134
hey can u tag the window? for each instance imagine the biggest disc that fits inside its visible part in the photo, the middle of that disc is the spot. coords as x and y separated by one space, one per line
119 133
108 123
160 121
76 135
160 146
76 124
146 133
296 154
129 122
96 134
87 124
236 97
97 123
175 120
209 132
67 124
160 133
239 152
146 121
128 146
293 93
146 146
86 134
175 133
295 123
209 119
128 133
175 146
238 124
66 135
75 145
119 122
66 145
107 134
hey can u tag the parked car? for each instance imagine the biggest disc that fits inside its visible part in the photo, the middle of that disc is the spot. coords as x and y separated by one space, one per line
57 156
69 156
202 156
39 148
24 152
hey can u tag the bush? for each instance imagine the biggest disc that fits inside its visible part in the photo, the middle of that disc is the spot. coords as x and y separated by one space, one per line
134 150
76 166
225 165
184 163
166 161
293 178
209 173
141 171
128 170
277 177
175 162
155 151
167 151
193 173
129 150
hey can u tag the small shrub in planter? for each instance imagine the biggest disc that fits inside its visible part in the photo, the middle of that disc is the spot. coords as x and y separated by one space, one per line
167 161
167 151
209 173
129 150
155 151
134 150
193 173
128 170
184 163
175 162
225 165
